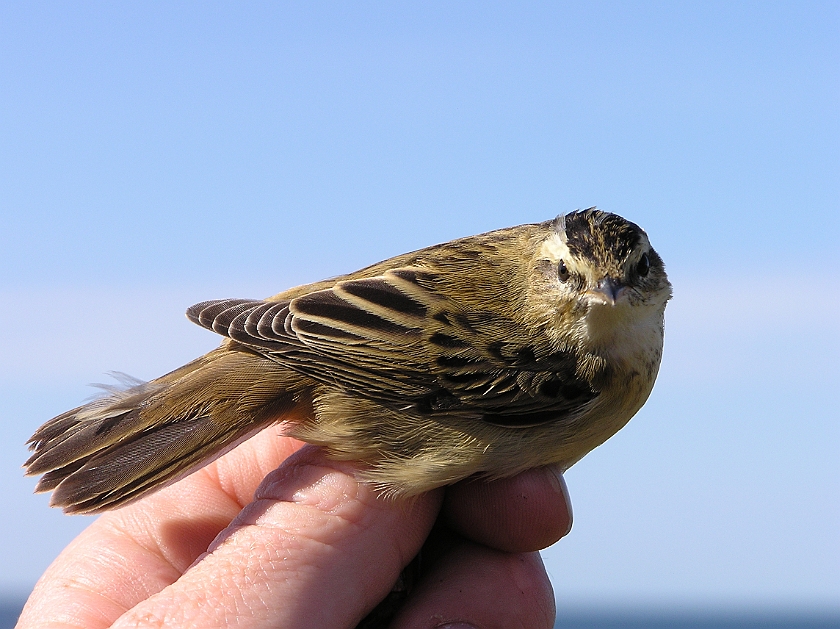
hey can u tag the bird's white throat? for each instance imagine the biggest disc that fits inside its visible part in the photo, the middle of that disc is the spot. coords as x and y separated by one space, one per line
624 332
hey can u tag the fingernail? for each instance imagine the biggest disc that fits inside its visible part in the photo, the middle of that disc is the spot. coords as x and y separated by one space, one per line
555 475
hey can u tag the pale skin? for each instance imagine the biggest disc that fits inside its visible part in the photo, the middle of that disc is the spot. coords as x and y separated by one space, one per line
275 535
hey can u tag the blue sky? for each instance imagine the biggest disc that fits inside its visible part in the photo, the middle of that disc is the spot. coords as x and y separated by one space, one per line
153 156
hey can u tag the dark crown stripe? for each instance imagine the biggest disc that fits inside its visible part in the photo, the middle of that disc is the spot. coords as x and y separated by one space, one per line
592 233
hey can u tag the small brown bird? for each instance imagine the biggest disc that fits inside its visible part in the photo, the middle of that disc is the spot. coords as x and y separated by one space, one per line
486 355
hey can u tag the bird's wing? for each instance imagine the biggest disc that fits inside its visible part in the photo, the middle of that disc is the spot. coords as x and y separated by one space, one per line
394 339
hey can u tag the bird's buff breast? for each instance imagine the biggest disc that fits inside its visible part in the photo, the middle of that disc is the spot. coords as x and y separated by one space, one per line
407 454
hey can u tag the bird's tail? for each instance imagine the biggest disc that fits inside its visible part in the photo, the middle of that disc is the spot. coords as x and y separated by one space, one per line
130 442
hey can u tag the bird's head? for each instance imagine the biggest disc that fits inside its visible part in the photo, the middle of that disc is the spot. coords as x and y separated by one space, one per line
602 259
603 276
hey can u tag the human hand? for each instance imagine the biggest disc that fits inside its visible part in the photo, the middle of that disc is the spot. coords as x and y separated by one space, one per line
313 547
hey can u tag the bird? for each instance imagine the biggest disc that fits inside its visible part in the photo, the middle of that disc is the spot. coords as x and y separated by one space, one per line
481 357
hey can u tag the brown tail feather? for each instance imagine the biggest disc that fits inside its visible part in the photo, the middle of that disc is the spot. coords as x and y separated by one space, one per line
122 446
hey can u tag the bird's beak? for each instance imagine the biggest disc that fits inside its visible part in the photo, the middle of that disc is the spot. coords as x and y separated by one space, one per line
607 291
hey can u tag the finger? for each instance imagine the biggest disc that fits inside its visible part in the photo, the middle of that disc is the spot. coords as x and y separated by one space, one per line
316 548
128 555
523 513
478 586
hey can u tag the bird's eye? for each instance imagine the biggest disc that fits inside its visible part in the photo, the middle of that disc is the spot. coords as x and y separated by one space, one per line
562 271
643 267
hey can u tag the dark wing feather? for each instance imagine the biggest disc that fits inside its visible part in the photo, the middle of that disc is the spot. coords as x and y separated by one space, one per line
393 339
